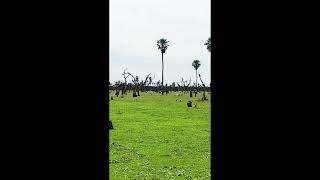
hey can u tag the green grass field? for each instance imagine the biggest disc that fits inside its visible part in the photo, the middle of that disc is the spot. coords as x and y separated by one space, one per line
157 137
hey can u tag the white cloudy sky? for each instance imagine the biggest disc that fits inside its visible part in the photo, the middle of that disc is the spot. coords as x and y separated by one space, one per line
136 25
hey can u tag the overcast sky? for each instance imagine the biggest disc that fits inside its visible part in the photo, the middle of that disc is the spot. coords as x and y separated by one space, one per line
136 25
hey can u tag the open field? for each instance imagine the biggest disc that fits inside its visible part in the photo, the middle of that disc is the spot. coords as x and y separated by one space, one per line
158 137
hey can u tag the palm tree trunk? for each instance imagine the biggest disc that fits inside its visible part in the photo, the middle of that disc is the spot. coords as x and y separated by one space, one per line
162 69
196 80
162 72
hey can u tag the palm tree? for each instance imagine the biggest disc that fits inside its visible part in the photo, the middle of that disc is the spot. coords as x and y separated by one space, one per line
162 45
208 44
196 64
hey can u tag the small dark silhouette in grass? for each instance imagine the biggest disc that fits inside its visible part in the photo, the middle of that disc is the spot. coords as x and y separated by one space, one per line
110 124
134 94
204 97
189 104
111 98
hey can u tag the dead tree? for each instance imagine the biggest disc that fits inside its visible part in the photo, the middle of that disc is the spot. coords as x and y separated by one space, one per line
204 89
138 85
125 76
185 85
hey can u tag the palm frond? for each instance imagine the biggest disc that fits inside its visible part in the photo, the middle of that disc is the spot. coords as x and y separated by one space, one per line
208 44
196 64
162 44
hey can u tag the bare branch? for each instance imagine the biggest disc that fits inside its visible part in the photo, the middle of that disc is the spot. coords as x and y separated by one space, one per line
202 81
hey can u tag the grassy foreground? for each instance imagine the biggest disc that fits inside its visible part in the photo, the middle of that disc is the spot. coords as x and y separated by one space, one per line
158 137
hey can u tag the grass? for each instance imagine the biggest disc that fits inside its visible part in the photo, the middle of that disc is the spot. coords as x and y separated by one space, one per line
158 137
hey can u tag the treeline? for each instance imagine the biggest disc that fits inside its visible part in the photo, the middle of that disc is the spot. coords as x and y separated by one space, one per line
158 89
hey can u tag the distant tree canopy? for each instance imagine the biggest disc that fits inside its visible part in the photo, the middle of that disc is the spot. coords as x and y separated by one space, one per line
196 64
208 44
211 44
162 45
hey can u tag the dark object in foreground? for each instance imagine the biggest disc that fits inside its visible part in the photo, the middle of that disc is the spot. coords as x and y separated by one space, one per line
189 104
134 94
110 125
204 97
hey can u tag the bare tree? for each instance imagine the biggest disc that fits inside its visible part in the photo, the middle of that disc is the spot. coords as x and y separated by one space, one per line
204 90
139 84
